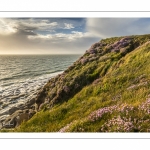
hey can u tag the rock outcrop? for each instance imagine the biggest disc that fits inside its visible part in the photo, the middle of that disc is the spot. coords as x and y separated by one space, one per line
102 66
18 114
63 86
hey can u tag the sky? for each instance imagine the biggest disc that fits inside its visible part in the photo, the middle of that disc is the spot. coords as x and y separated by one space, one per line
63 35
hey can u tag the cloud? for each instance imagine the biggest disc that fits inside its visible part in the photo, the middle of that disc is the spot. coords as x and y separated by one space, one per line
32 36
10 26
58 35
58 43
108 27
68 26
37 24
70 37
39 36
7 27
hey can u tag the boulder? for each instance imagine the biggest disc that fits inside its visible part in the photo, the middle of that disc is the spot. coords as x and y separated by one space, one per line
21 117
10 121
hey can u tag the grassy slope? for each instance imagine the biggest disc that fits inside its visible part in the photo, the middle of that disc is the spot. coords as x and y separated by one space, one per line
117 101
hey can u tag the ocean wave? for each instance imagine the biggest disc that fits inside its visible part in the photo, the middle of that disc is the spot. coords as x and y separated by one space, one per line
23 91
23 76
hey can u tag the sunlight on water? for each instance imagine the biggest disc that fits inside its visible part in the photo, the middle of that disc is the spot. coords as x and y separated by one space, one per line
22 76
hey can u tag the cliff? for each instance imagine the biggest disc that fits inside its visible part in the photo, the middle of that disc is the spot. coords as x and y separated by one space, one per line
105 90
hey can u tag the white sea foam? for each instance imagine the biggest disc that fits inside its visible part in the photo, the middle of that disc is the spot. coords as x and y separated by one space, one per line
22 76
20 93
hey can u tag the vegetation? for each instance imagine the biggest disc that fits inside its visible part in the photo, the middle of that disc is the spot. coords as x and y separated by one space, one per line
106 90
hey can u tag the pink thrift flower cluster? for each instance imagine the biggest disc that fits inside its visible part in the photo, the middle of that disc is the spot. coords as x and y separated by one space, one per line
145 106
118 125
125 122
124 108
64 129
98 113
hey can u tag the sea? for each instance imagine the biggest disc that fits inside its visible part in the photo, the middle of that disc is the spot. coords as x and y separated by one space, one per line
22 76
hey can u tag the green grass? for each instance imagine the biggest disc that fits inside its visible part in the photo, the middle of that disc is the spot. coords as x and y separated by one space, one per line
116 75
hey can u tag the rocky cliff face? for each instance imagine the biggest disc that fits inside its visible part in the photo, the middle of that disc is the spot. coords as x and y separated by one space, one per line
66 85
105 90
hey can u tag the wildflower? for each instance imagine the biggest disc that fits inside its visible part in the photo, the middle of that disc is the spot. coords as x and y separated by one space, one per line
98 113
65 128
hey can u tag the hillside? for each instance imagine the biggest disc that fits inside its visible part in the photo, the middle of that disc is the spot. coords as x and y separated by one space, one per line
105 90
